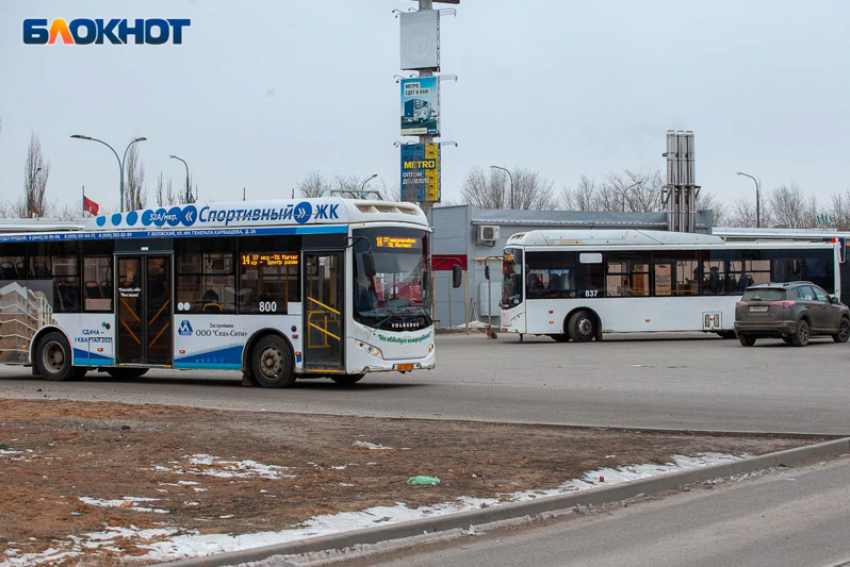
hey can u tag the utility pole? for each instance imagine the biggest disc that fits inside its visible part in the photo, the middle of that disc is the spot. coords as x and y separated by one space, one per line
188 186
427 207
758 207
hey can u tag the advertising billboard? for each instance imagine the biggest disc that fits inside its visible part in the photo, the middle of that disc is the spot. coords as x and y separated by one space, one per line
420 106
420 39
420 173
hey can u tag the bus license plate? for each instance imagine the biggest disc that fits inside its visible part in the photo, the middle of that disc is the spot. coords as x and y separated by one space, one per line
759 309
404 367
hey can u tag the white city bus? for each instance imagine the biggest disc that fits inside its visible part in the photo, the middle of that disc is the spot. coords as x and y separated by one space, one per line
579 284
277 289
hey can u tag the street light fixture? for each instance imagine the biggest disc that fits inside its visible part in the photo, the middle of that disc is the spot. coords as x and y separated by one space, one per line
120 160
363 185
511 179
188 186
626 189
758 207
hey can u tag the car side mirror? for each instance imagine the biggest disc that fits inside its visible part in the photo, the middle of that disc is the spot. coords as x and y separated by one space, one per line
833 299
457 276
369 269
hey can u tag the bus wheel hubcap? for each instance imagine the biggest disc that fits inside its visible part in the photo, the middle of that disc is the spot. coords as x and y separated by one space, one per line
585 326
53 357
270 362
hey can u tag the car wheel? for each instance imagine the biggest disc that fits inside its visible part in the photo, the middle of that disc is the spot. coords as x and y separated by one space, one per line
271 362
801 337
347 378
746 340
582 327
843 331
53 359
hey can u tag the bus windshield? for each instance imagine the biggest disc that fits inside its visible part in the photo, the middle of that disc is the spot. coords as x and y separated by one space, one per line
397 297
512 278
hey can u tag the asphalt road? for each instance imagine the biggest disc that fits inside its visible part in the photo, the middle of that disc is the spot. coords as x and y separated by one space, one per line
795 517
695 382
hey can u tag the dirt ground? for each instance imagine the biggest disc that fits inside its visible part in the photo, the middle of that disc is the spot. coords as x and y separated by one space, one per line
62 462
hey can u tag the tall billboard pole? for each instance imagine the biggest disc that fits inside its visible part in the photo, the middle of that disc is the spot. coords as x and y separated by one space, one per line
420 103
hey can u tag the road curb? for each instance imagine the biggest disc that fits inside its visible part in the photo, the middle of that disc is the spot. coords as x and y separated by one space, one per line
463 520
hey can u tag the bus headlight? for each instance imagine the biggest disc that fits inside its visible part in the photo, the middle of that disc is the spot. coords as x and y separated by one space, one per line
374 351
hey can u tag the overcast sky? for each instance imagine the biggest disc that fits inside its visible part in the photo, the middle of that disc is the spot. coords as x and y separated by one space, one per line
260 94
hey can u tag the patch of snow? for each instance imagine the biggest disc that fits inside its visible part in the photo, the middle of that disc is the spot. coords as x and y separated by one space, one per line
209 465
173 544
370 446
127 503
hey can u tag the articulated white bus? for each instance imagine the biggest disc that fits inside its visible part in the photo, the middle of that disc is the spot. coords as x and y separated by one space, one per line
578 284
281 290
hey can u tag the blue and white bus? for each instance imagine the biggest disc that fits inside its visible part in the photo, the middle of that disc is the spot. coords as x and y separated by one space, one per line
281 290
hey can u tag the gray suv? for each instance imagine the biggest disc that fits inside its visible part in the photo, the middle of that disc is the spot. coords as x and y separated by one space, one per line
792 311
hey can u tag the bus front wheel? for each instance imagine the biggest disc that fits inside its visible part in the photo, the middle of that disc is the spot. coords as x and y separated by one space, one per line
53 359
582 327
271 362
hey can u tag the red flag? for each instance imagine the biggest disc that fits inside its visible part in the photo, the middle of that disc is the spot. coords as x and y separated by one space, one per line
90 206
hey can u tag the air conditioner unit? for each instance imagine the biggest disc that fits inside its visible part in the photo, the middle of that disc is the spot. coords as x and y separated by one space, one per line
487 234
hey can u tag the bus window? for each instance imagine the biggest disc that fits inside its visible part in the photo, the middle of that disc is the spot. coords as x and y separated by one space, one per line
551 275
268 281
59 263
206 276
512 278
97 283
591 276
676 274
627 274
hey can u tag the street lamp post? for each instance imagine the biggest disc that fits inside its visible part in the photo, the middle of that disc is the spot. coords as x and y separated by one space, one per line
758 206
188 186
120 160
30 192
363 185
510 177
624 193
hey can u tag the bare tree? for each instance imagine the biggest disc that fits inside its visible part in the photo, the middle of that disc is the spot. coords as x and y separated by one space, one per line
36 173
313 185
531 191
135 194
485 190
840 210
708 202
165 192
743 214
790 208
582 197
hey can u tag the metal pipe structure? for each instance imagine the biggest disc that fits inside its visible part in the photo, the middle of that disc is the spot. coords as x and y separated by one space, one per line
120 160
188 186
511 179
758 208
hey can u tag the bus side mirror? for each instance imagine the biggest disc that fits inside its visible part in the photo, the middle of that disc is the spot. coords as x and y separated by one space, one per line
487 272
369 269
457 276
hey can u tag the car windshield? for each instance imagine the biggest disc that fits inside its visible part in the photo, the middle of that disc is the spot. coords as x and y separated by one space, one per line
765 294
397 296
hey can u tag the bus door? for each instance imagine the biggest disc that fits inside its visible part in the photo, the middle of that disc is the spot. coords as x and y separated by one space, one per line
323 312
143 312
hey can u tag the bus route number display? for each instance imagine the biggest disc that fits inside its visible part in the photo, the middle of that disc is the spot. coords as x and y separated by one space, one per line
396 242
269 259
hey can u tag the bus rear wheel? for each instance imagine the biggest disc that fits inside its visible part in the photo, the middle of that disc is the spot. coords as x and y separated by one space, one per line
582 327
271 363
347 378
53 359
